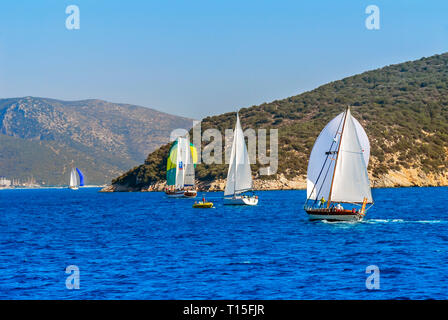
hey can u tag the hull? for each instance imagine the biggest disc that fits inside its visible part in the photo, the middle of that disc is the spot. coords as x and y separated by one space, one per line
203 205
73 188
181 194
241 201
190 194
333 215
175 194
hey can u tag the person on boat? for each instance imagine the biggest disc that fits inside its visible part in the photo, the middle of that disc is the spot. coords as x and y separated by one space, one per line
339 207
203 199
322 202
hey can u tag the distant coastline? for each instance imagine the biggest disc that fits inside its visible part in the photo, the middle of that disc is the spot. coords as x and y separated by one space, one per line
49 187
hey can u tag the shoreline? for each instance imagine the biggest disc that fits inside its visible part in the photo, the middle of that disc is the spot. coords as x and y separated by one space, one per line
392 179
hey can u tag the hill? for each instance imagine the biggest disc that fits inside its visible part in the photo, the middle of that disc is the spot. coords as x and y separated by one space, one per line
42 138
403 108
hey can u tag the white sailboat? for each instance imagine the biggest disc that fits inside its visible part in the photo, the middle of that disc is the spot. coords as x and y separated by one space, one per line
180 170
74 185
239 176
76 182
338 187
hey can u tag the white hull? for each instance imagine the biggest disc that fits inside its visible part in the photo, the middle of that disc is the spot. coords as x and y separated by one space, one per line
73 188
241 201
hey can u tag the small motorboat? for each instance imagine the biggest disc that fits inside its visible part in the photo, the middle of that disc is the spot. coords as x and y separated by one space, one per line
203 205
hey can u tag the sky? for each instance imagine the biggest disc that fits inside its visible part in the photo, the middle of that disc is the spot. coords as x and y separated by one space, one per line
204 57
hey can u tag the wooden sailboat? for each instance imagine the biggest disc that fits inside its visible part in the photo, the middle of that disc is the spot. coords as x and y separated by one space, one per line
75 183
239 176
338 187
180 170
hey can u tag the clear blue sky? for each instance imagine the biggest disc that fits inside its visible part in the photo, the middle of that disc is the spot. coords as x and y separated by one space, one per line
198 58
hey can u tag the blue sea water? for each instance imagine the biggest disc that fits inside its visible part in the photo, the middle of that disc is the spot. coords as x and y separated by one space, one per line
145 246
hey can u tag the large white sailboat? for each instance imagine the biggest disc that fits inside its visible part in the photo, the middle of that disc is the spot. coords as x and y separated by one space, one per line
338 187
180 170
239 176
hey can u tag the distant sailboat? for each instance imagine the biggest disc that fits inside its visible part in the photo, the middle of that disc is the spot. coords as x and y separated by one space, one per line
180 169
337 172
239 176
75 183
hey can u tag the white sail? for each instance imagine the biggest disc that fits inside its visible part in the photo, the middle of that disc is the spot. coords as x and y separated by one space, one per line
351 181
323 156
189 165
73 179
180 163
239 176
322 160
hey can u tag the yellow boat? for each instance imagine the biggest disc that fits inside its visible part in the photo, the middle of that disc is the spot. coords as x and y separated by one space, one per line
203 205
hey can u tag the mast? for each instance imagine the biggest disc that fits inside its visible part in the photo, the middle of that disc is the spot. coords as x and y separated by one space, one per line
337 157
236 150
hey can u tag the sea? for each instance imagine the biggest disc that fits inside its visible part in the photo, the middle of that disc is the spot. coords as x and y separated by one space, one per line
64 244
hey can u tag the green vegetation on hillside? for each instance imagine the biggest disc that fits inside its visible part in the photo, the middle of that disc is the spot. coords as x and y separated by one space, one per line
403 108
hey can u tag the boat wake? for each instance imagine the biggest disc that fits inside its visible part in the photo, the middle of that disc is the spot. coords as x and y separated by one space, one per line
402 221
339 222
379 221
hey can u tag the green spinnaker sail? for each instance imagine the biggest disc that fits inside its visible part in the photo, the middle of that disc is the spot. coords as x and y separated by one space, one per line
171 165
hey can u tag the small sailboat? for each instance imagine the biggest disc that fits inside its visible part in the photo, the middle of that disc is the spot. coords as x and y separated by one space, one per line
338 187
239 176
180 173
75 183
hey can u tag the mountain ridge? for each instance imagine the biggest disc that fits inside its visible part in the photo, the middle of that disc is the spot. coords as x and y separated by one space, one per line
104 138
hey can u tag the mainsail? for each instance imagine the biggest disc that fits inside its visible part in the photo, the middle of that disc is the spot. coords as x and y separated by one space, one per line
73 179
239 176
342 143
189 165
181 163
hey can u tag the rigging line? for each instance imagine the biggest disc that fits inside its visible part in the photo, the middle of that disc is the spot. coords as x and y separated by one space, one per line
337 157
322 185
318 177
320 173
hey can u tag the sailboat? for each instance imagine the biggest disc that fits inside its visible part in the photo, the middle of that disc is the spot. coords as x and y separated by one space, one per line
337 172
75 183
239 176
180 173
